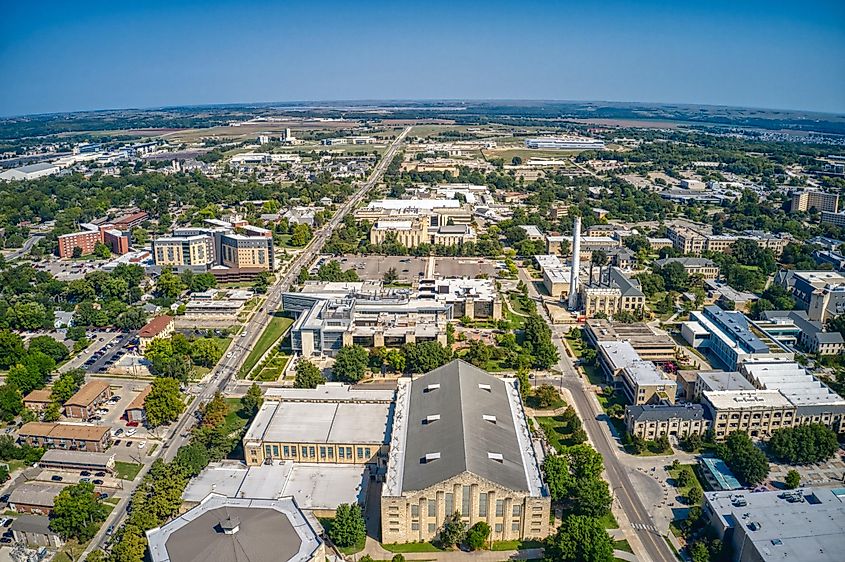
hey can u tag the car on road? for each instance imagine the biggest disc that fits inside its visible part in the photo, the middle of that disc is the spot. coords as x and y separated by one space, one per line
56 478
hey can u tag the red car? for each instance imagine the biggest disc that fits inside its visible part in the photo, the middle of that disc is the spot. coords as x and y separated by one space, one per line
132 424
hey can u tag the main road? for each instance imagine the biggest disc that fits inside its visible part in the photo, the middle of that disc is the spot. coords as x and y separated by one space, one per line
227 368
592 415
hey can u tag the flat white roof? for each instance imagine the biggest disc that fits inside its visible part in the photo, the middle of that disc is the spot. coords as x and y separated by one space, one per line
427 204
743 399
321 422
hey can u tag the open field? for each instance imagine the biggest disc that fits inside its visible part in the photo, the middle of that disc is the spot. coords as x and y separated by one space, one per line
275 330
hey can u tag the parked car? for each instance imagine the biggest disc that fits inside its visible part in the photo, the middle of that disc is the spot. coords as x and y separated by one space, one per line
56 478
129 443
98 482
131 424
84 479
85 473
132 430
99 473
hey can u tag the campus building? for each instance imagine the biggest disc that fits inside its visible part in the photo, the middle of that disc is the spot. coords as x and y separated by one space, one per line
803 201
644 383
811 334
755 412
158 327
651 421
704 268
556 275
820 293
803 525
476 299
611 293
329 424
730 337
565 143
648 345
238 530
461 443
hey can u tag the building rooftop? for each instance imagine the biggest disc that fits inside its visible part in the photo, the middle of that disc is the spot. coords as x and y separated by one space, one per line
686 262
81 431
35 493
88 393
138 402
238 530
155 326
39 395
459 418
77 457
330 392
321 422
792 380
723 380
35 524
645 373
619 354
804 525
745 399
664 412
312 485
721 473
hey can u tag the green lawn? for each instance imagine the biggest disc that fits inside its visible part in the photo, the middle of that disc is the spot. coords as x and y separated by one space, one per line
622 545
499 546
272 334
556 431
609 521
126 470
411 547
675 473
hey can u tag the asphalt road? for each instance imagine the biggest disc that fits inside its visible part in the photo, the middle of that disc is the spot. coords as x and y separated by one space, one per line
226 369
592 416
27 246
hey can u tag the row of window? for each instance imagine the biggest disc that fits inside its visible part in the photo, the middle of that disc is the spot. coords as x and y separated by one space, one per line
311 451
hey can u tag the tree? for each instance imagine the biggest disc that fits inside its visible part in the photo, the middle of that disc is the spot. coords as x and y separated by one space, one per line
547 396
477 535
130 545
598 257
11 349
164 402
396 360
214 412
66 385
192 458
453 531
96 556
351 363
590 497
558 476
11 402
26 380
479 353
793 479
76 512
204 352
426 356
804 444
308 375
300 235
348 528
52 412
699 552
694 495
102 251
397 558
746 461
252 400
50 347
390 276
77 252
585 461
579 539
169 285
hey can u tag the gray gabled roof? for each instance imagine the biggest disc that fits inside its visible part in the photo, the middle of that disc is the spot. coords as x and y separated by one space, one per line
461 436
661 412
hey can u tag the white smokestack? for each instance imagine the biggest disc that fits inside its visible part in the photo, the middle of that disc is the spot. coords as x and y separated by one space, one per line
576 262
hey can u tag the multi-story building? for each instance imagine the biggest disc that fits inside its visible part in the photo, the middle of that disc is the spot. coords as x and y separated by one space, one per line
323 425
813 400
87 399
410 232
648 345
820 293
651 421
247 252
71 436
476 299
644 383
836 219
440 212
730 336
755 412
803 201
703 267
183 252
556 275
811 334
86 240
487 471
687 240
611 293
803 525
158 327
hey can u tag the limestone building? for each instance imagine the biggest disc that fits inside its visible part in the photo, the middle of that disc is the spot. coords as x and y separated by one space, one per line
460 443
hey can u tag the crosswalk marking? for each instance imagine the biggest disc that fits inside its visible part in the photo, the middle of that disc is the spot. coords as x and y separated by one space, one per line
644 527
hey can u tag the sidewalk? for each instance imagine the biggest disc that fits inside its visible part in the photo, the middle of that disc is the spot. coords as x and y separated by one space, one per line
375 550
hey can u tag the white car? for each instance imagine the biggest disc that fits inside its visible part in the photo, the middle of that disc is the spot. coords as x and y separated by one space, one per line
131 431
142 444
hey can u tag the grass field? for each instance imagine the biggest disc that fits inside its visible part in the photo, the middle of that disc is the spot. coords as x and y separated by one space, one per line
126 470
273 333
272 368
675 473
499 546
411 547
556 431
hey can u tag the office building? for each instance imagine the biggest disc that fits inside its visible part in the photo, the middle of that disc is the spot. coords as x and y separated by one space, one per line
803 525
820 293
614 356
730 336
803 201
476 299
557 278
652 421
238 530
487 470
440 212
702 267
323 425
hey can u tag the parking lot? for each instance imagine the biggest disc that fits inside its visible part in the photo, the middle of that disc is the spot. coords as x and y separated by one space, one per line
373 268
104 482
464 267
102 360
100 342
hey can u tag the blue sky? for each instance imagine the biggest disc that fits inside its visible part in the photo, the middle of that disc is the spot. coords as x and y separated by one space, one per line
92 55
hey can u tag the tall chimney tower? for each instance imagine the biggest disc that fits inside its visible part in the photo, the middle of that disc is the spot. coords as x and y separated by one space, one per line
576 262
